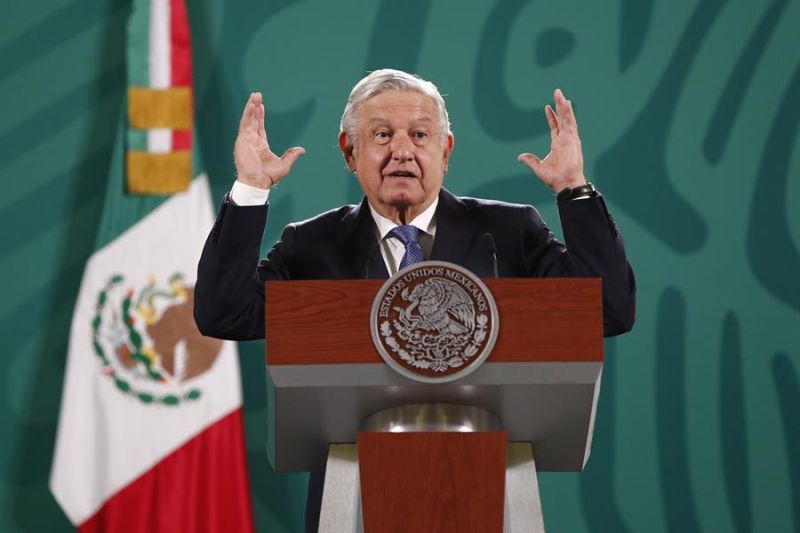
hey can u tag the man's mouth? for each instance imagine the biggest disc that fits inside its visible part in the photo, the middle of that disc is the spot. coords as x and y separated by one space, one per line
401 174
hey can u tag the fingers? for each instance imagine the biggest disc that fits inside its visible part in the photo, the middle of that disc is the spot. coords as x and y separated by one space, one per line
531 161
249 114
258 123
565 113
552 120
253 117
291 156
279 168
262 132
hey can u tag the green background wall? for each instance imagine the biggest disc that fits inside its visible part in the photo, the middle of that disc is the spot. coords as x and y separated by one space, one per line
689 116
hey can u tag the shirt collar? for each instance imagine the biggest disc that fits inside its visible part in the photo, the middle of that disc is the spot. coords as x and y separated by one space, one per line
424 221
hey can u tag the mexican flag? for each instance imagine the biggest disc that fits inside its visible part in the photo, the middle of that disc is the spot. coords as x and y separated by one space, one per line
150 434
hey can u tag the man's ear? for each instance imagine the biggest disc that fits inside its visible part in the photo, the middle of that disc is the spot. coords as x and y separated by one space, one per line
448 149
347 148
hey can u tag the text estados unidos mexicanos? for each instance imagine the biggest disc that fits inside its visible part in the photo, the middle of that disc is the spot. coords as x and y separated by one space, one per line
452 275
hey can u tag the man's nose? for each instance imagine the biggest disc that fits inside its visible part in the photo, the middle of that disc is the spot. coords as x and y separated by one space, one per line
402 147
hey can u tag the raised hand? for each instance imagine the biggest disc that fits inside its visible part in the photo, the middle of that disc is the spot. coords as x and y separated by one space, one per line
256 164
563 166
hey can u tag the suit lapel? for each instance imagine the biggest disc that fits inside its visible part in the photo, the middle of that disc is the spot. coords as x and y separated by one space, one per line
455 230
455 237
359 245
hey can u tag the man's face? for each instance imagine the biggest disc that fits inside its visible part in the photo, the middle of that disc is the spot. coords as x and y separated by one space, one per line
398 155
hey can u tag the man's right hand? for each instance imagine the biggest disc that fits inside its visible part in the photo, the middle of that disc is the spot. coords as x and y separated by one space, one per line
256 164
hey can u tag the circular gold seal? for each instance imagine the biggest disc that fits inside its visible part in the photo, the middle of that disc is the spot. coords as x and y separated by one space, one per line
434 322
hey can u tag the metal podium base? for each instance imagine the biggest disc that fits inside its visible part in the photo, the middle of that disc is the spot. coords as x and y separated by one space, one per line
341 500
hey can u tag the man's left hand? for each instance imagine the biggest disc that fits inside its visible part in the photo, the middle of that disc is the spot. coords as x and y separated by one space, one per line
563 166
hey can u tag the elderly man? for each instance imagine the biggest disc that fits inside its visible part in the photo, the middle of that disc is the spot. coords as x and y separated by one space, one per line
395 137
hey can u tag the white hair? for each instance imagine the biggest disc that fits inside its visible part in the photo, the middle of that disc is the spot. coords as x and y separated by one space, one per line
384 80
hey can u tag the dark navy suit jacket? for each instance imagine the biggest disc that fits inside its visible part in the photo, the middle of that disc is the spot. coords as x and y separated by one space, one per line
342 244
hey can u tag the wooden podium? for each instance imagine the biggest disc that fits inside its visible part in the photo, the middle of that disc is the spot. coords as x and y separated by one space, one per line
445 457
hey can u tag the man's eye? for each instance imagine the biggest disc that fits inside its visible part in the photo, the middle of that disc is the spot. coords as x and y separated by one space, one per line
420 135
382 134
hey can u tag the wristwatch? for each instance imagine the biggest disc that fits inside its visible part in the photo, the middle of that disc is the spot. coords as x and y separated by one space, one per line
577 193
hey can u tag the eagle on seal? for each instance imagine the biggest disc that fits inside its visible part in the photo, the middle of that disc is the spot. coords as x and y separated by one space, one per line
440 305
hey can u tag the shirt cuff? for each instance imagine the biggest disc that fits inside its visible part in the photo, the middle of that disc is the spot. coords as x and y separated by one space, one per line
243 194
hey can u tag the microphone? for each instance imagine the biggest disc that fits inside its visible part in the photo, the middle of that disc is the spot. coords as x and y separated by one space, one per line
493 251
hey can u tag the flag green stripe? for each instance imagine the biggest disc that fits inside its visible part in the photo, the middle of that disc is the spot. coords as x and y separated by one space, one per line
139 44
137 140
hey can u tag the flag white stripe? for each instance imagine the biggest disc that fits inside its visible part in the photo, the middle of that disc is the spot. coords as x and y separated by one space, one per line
160 53
159 140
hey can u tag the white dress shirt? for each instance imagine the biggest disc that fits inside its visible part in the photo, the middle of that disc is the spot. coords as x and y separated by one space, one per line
392 249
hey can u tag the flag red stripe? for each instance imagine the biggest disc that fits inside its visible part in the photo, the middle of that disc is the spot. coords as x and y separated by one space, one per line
181 59
202 486
180 45
181 139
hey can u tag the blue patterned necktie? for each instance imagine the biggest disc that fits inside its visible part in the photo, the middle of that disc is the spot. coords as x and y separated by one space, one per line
409 236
